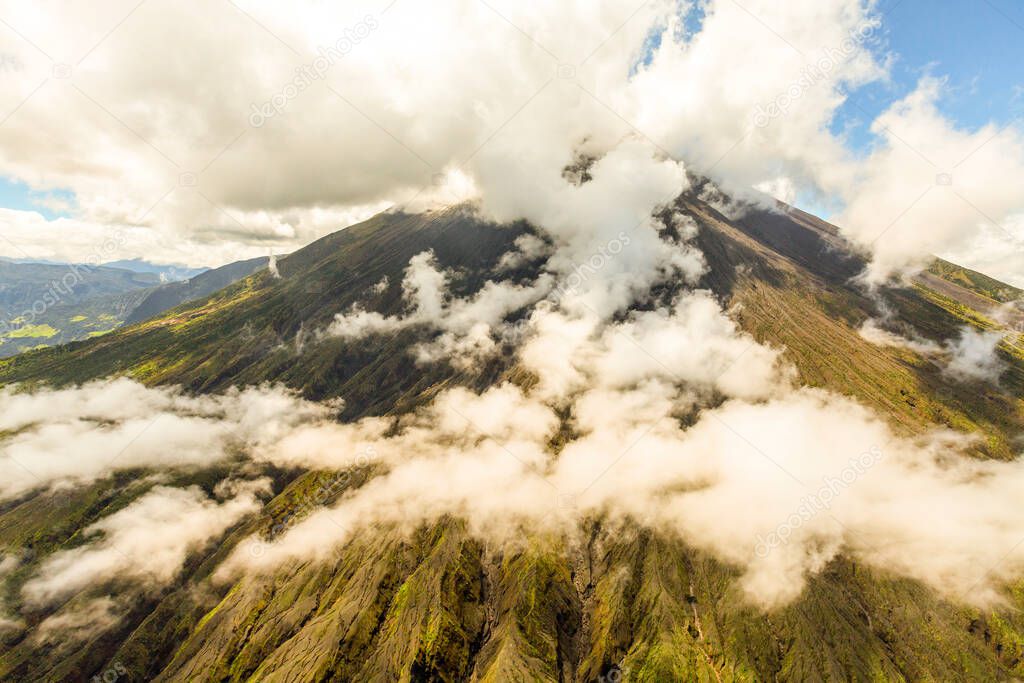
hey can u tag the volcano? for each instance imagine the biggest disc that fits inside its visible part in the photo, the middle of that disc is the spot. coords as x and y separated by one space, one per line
615 598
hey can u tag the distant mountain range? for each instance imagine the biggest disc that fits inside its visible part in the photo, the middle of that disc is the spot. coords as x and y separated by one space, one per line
166 272
46 304
201 284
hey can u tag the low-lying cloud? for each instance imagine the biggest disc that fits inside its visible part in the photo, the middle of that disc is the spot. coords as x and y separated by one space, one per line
723 484
974 355
79 435
146 543
669 418
467 327
630 408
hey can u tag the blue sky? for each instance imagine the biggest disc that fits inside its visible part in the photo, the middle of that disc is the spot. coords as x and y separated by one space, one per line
978 45
15 194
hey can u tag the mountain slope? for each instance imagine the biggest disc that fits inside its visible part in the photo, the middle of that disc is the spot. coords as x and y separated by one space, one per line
49 304
251 331
442 605
197 286
65 303
166 273
23 284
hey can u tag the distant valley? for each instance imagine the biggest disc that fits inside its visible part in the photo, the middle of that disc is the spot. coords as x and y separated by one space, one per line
48 304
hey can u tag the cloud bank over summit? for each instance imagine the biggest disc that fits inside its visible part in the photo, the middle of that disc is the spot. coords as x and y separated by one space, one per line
273 126
674 419
630 404
635 410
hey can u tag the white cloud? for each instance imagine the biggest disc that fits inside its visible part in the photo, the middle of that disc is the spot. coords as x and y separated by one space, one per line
873 332
725 484
412 100
974 355
145 543
468 325
933 188
75 624
675 420
528 248
461 100
667 415
78 435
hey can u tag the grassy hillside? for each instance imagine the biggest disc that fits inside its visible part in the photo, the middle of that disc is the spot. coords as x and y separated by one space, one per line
46 305
261 327
198 286
49 305
976 282
616 603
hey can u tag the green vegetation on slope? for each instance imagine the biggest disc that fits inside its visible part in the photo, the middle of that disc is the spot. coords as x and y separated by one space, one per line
70 303
976 282
31 332
441 605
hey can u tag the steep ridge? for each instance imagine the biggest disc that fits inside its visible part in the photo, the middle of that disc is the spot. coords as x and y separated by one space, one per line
50 304
45 305
253 331
442 605
199 285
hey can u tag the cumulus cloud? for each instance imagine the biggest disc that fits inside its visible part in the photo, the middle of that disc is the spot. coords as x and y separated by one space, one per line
971 356
873 331
676 419
776 487
70 436
146 543
680 422
317 116
974 355
7 564
529 248
929 187
933 188
385 115
603 229
77 623
606 247
634 408
669 417
381 286
467 325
